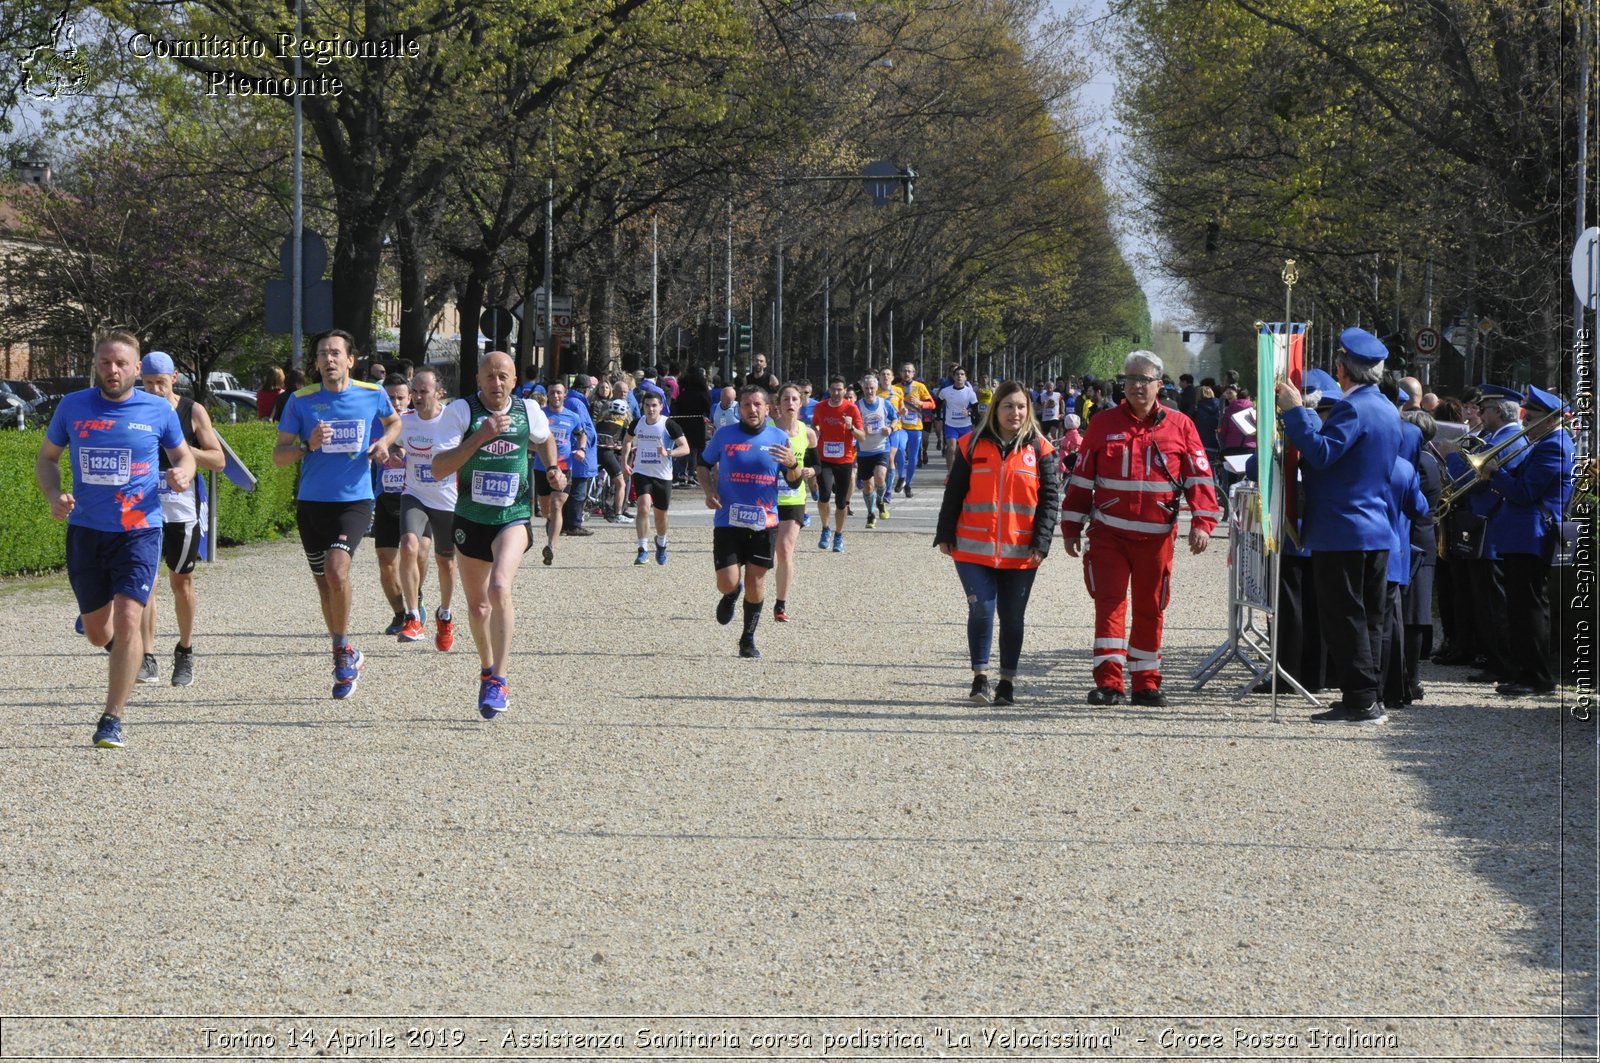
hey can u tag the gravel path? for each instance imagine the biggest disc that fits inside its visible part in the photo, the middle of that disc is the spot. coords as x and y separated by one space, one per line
659 829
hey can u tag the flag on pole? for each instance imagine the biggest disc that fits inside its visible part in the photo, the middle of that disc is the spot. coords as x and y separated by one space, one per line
1280 355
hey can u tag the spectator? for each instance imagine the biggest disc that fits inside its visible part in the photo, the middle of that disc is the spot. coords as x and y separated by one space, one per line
293 381
267 395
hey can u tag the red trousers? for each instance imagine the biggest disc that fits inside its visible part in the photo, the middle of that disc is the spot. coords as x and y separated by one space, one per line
1111 564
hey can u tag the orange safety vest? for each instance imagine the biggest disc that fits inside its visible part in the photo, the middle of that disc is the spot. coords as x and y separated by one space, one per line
997 516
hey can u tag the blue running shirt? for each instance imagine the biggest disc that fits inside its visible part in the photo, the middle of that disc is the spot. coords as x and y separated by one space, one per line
747 474
338 471
116 450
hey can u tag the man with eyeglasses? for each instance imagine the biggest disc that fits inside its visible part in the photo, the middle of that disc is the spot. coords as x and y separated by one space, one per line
1137 462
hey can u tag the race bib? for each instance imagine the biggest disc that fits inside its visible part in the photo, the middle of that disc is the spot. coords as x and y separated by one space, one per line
105 466
873 422
495 488
349 437
747 516
911 414
394 480
833 449
649 453
422 472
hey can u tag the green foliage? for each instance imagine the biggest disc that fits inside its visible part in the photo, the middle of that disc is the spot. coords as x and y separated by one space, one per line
33 542
268 511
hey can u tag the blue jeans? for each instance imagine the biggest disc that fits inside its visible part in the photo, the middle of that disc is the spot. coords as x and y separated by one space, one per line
576 509
991 590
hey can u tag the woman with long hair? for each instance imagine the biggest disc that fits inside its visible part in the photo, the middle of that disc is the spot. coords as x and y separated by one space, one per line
999 512
792 498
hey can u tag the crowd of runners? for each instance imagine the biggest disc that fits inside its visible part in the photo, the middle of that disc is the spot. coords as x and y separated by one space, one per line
459 484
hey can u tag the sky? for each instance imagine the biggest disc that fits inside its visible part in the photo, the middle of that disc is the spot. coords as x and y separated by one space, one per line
1096 100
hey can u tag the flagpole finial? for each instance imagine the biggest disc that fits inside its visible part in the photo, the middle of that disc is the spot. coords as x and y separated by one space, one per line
1290 274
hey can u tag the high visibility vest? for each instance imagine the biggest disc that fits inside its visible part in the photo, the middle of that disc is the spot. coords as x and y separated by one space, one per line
997 516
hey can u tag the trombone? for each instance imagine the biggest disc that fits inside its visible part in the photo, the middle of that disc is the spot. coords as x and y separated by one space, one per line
1487 459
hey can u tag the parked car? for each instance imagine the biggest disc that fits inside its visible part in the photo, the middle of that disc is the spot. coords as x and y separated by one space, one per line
218 381
232 404
21 405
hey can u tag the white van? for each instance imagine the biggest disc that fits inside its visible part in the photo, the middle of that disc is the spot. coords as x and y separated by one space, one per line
222 382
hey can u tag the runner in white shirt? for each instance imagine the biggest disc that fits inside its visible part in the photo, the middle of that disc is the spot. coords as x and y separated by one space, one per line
957 400
872 454
427 511
1051 410
647 452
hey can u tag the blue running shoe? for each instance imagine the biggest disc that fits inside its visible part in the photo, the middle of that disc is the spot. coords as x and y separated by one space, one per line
661 553
109 734
822 543
77 625
491 696
347 664
805 520
641 558
395 626
838 543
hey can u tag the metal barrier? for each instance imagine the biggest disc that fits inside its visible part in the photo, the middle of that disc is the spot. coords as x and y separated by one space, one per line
1252 602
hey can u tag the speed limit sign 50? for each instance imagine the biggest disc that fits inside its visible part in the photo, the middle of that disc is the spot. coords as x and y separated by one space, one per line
1427 341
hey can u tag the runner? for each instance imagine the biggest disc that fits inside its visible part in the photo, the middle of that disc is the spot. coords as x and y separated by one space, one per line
494 507
838 425
916 406
647 452
872 457
116 436
388 485
567 431
897 438
427 511
748 460
792 497
959 399
183 521
1051 411
327 427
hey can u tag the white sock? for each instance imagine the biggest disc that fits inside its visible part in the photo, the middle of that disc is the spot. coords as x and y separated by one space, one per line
642 543
661 540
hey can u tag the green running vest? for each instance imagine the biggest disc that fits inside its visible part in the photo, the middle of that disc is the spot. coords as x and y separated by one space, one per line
493 486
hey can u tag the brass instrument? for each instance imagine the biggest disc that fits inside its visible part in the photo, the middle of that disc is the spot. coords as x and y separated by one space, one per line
1486 459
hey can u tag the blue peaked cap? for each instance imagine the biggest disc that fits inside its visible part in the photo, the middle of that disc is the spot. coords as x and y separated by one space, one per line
1363 346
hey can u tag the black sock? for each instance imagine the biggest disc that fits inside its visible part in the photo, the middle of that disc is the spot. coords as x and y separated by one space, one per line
752 617
778 606
110 645
181 648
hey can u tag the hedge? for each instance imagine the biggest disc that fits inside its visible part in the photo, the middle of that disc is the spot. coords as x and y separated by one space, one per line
30 541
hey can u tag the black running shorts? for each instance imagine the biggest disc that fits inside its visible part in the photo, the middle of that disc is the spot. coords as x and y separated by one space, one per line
328 526
476 540
180 545
659 490
835 480
743 546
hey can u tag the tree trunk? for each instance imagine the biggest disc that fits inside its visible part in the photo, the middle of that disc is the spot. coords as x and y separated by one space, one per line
356 257
470 308
413 290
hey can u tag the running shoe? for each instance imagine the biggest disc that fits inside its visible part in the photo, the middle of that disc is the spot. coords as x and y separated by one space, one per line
872 521
661 553
395 626
149 670
781 614
549 555
725 606
822 543
805 520
412 631
347 664
747 649
492 699
109 734
838 543
883 511
77 625
182 668
643 557
444 631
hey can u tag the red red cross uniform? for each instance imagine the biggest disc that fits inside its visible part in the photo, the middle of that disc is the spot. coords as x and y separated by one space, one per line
1126 486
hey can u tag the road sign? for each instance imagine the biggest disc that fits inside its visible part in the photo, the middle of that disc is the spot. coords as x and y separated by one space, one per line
1586 267
313 256
496 323
557 320
883 179
1426 359
1426 343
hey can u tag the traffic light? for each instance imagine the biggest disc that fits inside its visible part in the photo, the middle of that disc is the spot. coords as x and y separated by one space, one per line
722 343
744 339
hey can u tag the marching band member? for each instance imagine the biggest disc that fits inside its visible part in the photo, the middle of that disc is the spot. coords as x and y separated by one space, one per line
1534 487
1138 459
1497 420
1346 463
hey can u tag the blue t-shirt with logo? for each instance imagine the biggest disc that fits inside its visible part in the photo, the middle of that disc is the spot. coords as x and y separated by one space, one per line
337 471
115 449
747 474
564 425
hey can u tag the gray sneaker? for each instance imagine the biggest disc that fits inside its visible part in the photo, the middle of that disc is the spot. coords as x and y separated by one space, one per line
182 668
149 670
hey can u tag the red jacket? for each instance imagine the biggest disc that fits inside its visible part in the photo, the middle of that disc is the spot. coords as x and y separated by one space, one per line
1130 473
